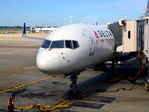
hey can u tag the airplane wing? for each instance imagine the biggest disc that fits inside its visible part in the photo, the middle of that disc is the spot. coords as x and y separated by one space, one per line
25 36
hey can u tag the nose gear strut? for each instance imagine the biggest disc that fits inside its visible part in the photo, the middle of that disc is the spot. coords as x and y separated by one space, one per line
74 93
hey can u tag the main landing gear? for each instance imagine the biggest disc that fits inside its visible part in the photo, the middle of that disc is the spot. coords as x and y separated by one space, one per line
74 93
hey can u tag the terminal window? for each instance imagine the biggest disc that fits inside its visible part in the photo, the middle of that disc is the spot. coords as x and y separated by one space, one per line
129 34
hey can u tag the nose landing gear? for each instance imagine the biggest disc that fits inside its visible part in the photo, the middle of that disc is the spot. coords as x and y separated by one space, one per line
74 93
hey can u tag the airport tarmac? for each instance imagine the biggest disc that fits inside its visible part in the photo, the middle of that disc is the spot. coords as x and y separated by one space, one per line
19 75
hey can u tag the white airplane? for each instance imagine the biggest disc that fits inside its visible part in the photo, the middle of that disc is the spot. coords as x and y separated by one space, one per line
72 48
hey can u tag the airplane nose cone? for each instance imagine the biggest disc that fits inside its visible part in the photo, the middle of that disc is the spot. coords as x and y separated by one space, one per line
47 62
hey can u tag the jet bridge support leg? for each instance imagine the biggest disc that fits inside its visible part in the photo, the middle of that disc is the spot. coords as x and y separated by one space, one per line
113 66
148 73
147 79
100 67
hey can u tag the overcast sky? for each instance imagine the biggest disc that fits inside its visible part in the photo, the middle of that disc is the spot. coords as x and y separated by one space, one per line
60 12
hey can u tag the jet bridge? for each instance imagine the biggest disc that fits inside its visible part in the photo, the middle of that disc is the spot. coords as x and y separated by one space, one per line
132 36
146 46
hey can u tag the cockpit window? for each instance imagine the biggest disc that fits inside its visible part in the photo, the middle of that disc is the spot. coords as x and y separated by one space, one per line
75 44
57 44
46 44
71 44
68 44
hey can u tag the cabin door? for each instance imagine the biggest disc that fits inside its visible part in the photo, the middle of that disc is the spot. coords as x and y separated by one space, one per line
91 43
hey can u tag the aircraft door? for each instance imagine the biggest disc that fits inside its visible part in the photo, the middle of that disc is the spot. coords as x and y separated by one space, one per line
91 43
140 35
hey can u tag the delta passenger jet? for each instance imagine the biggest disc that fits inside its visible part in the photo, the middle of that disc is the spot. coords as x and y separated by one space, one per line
72 48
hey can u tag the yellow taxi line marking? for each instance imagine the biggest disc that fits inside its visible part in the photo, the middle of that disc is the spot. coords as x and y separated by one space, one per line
63 101
25 84
61 105
91 88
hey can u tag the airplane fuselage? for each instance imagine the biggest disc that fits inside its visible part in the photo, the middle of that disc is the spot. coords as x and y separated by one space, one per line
74 47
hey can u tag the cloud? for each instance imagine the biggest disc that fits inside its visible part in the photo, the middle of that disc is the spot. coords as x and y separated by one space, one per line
124 4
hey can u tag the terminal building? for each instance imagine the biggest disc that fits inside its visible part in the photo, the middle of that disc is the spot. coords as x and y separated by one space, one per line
43 29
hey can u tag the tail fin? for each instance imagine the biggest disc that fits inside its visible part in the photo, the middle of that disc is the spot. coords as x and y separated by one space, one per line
24 34
147 9
24 29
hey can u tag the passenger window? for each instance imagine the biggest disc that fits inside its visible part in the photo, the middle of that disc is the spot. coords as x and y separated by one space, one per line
107 33
100 33
104 34
68 44
110 33
129 34
75 44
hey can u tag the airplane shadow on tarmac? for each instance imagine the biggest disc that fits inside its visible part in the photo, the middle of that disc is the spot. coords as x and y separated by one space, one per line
128 68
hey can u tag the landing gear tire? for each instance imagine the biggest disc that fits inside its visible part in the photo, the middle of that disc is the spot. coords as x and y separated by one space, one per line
74 94
71 94
78 95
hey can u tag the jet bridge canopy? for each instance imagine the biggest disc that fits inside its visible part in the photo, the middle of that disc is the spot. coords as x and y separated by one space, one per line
117 32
